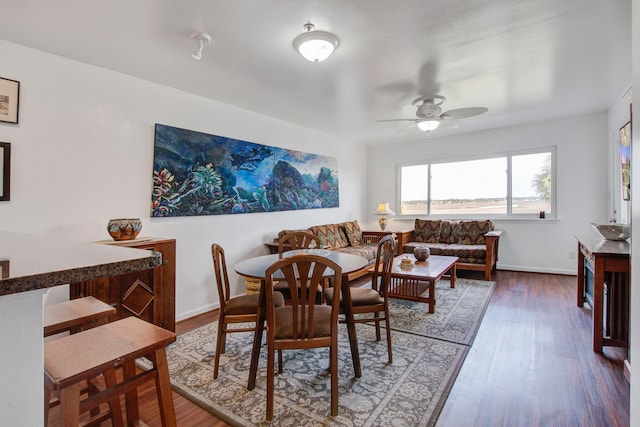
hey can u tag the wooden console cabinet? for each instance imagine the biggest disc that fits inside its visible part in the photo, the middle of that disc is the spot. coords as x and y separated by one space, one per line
148 294
604 283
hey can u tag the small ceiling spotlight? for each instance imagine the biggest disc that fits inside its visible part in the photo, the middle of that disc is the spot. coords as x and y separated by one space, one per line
314 45
202 39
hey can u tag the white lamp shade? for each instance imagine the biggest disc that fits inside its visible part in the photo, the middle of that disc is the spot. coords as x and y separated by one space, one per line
428 125
384 209
316 46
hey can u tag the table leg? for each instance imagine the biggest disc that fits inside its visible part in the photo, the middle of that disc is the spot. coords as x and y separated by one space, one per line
432 296
452 273
257 338
351 326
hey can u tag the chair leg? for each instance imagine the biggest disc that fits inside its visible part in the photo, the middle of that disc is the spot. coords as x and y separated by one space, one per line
279 361
386 322
270 382
219 347
333 364
377 322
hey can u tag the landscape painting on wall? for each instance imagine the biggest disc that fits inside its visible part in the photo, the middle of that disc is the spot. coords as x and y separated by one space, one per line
196 173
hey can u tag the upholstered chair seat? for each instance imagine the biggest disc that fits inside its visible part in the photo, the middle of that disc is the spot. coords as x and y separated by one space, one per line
359 296
321 320
246 304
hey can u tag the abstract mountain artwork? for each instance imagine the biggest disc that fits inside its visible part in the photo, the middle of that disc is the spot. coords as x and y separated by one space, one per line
195 173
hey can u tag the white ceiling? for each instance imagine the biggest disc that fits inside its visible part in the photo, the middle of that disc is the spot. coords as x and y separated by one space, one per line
525 60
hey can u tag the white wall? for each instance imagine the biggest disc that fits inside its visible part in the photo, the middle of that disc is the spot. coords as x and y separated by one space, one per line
83 152
618 116
547 245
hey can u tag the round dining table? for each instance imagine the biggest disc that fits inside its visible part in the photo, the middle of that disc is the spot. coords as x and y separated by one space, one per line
254 268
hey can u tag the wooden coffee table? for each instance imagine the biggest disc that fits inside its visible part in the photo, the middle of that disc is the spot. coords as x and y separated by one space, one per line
412 284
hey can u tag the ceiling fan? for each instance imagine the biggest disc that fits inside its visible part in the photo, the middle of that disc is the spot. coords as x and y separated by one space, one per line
430 116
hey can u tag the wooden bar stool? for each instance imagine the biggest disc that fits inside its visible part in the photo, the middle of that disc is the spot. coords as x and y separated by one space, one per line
75 315
71 360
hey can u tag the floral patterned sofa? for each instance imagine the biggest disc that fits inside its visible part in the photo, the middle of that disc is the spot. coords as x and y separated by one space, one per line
346 237
475 242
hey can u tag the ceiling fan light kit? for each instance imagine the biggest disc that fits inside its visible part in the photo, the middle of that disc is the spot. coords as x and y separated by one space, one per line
314 45
202 39
430 116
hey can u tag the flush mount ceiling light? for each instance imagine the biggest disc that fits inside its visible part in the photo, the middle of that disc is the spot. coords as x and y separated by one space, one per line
202 39
314 45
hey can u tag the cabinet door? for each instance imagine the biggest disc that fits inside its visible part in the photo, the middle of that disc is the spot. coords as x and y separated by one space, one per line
106 289
138 296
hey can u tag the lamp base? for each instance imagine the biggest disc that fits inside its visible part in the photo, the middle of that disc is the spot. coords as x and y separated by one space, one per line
383 223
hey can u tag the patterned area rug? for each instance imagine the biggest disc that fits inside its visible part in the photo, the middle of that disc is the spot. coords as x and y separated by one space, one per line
458 314
409 392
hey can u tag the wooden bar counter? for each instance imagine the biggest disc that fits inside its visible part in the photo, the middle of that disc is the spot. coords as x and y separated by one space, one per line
29 265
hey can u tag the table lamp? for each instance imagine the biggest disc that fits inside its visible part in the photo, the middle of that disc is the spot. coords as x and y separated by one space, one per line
383 210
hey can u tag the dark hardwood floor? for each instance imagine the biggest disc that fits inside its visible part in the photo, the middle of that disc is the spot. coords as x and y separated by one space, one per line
531 364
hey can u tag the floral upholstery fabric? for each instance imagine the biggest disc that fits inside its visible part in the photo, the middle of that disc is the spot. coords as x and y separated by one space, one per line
426 231
353 232
472 232
331 236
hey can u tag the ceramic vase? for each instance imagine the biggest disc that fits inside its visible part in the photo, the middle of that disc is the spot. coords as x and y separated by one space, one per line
421 253
124 228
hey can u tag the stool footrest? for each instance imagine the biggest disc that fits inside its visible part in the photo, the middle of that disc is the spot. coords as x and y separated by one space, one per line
104 396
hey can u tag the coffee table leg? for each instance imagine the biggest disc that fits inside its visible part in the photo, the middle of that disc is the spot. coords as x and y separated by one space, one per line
432 296
452 276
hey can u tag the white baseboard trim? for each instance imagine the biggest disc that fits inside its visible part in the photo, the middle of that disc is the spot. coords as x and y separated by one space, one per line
197 311
536 269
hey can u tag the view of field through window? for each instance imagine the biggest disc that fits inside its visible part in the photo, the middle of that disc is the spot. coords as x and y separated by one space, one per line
479 186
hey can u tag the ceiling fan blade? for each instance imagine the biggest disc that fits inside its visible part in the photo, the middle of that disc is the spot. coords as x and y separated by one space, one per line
397 120
462 113
449 123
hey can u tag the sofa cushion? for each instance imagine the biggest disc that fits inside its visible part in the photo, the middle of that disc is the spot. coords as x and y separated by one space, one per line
434 248
353 232
449 232
472 232
367 251
427 231
331 236
475 254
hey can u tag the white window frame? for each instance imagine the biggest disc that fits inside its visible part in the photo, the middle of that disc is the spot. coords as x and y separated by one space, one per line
509 215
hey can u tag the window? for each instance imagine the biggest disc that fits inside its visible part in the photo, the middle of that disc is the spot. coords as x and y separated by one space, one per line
510 184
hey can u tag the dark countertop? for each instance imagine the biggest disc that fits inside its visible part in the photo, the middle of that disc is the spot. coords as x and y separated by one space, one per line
32 262
598 245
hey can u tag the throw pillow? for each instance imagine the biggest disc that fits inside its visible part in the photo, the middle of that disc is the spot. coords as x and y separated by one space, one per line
330 236
472 232
426 231
353 232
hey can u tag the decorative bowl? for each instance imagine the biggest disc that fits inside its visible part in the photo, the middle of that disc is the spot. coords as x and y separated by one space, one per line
318 252
421 253
617 232
124 228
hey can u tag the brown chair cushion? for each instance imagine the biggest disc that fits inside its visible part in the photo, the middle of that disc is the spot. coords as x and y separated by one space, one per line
359 296
248 304
321 321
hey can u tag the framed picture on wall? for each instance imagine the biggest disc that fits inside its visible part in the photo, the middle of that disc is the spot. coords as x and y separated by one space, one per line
625 160
5 170
9 100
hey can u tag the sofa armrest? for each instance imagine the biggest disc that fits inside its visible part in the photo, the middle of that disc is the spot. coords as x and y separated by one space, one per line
373 236
491 239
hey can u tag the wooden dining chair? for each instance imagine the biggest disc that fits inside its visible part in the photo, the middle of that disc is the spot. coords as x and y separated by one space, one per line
374 301
297 240
302 324
238 309
294 240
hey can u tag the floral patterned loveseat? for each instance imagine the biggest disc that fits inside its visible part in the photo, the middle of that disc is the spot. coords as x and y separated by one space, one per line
346 237
475 242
